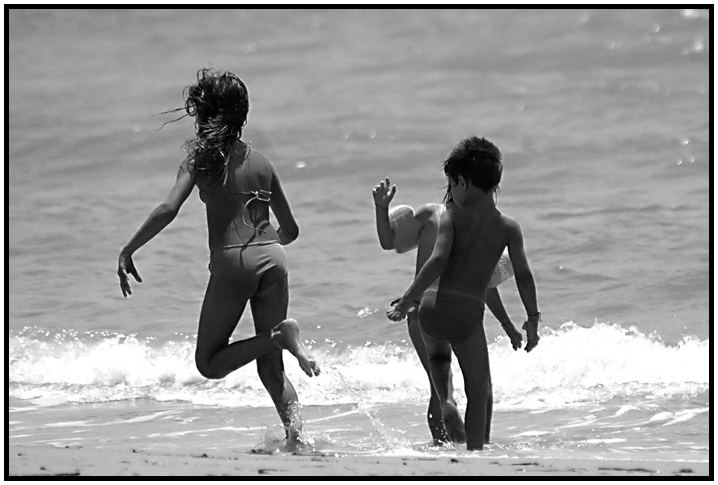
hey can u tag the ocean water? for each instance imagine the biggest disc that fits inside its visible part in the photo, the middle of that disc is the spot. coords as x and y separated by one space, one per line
603 120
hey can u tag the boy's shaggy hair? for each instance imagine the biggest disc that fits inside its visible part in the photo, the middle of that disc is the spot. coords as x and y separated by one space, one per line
478 161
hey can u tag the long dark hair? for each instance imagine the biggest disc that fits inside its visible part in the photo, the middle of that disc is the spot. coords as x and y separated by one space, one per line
219 102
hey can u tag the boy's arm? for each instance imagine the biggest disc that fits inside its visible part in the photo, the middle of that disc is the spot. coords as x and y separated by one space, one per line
433 267
522 271
525 283
493 301
383 193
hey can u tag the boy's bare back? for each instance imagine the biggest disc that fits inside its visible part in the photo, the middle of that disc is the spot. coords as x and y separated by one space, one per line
480 238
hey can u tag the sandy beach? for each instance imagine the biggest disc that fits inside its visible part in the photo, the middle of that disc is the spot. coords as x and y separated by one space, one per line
80 461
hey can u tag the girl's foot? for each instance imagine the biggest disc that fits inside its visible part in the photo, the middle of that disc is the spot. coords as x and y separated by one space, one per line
298 443
286 336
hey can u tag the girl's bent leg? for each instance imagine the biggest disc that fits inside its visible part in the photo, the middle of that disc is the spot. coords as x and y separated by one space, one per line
269 309
286 336
221 310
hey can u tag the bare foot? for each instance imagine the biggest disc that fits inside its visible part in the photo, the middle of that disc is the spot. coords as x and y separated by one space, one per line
286 336
299 444
294 439
439 434
453 423
532 337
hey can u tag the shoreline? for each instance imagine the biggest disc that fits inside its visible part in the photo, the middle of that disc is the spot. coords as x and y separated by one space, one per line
25 460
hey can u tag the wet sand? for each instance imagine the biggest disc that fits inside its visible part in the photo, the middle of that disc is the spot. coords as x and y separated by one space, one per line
79 461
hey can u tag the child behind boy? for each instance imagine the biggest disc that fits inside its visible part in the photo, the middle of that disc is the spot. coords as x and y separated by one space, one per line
426 222
471 238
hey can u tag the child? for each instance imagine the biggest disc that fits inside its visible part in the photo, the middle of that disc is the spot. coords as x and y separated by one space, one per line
247 261
471 238
425 223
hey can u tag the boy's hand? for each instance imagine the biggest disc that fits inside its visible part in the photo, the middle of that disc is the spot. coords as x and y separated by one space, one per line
398 313
395 315
513 334
384 193
531 327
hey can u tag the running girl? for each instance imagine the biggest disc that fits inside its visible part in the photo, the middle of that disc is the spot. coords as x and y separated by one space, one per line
248 264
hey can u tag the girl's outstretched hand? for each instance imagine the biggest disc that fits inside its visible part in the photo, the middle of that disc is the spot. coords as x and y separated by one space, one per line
126 266
384 193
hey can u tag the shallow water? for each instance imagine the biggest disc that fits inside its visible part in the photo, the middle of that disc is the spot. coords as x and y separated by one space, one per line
602 117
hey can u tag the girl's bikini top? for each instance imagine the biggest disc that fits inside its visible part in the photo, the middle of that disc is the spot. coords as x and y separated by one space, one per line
260 195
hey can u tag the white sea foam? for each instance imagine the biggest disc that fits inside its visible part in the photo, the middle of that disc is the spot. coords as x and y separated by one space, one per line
571 365
692 13
604 441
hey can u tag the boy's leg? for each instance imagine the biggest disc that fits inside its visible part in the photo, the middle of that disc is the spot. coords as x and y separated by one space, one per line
436 424
439 357
221 310
473 357
489 412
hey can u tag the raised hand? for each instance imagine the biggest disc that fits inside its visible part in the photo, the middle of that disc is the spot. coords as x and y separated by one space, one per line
126 266
383 193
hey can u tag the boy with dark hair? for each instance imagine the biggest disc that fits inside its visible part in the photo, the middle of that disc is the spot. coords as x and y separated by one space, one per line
472 236
403 229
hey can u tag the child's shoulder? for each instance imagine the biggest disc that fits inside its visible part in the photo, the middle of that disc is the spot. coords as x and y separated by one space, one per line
429 213
257 155
508 222
257 161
